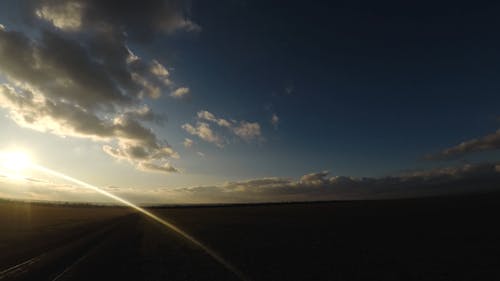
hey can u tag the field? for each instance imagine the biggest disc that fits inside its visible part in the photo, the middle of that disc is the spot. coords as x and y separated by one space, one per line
454 238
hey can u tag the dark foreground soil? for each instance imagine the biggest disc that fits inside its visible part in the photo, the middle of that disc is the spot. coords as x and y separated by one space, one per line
448 238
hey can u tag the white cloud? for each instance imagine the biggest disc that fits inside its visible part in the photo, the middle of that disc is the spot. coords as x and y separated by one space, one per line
188 143
158 69
204 132
247 131
205 115
64 15
315 178
180 93
275 120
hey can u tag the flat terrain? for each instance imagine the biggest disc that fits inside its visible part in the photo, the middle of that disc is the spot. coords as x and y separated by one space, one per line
455 238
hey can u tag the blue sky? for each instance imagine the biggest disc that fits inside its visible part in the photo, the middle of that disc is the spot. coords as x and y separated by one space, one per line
373 89
360 89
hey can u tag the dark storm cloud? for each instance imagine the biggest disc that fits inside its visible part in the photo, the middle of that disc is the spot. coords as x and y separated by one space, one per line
488 142
140 19
81 79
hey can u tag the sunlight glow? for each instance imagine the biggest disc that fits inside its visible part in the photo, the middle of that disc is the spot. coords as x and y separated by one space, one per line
14 163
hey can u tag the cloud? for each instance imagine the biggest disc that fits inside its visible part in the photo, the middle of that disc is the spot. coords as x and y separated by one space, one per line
315 178
89 86
61 68
180 93
205 115
161 168
247 131
275 120
188 143
142 20
321 186
158 69
65 15
204 132
145 113
317 186
488 142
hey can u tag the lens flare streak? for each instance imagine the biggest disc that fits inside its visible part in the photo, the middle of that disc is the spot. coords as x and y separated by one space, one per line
147 213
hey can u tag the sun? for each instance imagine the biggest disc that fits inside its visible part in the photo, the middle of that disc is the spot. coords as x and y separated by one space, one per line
14 163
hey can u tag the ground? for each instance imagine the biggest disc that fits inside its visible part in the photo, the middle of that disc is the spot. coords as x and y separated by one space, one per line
446 238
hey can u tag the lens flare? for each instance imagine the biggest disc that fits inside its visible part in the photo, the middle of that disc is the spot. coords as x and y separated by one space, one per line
147 213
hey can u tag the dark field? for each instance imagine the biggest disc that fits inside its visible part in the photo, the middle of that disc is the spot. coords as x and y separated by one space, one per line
453 238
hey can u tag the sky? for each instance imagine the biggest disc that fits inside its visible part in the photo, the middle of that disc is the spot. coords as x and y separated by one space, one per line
243 101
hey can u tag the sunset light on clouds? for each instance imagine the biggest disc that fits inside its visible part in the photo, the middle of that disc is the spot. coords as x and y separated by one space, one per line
178 104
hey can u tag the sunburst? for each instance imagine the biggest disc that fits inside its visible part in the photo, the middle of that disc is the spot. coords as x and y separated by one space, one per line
14 163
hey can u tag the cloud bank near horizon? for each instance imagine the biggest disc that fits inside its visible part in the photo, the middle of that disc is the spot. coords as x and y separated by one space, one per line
319 186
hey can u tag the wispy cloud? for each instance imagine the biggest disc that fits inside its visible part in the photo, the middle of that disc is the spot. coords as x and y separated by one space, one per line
181 93
245 130
188 143
275 120
485 143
